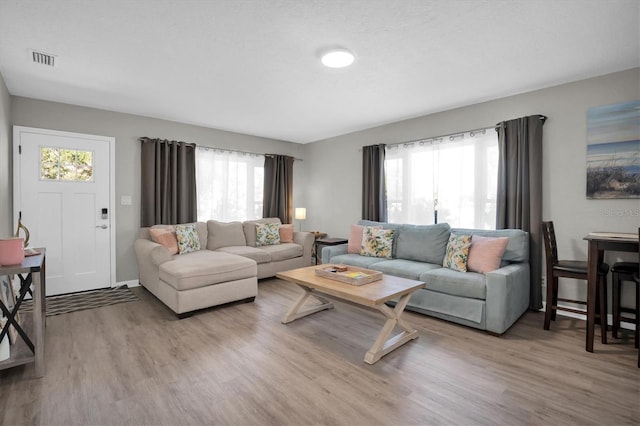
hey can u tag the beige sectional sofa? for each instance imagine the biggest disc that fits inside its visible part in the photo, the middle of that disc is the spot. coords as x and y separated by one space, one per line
225 269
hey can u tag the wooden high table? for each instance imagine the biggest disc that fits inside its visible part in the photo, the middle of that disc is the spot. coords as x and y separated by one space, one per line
30 271
598 243
373 295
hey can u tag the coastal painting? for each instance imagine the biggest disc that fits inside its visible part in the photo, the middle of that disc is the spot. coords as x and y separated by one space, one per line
613 151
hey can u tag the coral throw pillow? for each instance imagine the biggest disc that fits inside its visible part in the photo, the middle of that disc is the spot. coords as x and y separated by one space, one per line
485 253
267 234
457 252
166 237
188 240
286 233
355 238
377 242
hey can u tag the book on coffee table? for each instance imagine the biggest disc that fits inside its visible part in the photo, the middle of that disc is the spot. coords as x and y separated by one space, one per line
349 274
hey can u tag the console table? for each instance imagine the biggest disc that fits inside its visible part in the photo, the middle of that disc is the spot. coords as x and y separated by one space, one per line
30 271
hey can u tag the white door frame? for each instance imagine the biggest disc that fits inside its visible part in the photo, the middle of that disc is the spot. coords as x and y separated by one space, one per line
17 202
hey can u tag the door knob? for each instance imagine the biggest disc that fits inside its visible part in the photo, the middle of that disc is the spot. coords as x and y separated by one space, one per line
102 226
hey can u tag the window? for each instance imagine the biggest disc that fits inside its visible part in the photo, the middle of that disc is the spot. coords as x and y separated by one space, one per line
457 176
69 165
229 184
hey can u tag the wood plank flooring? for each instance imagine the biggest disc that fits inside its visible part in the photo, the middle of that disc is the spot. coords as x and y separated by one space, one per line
136 364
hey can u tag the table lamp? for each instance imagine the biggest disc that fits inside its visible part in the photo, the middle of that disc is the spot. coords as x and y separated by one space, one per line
300 214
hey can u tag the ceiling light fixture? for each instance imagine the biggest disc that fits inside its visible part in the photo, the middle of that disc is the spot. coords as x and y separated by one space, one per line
337 58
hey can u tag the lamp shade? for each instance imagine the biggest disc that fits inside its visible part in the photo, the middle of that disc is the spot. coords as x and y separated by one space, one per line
300 213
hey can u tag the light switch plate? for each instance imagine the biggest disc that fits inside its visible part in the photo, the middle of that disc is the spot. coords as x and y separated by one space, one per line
125 200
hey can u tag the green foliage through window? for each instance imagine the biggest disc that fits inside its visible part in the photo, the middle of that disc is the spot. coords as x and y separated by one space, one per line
66 164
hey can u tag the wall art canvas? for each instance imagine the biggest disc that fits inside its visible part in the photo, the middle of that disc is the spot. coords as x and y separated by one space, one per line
613 151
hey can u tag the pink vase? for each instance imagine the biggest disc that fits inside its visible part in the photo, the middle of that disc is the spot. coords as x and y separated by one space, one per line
11 251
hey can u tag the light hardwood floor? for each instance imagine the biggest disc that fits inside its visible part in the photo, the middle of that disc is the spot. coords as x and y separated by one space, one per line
135 363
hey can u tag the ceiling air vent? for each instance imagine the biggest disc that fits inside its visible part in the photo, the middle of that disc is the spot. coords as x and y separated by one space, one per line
42 58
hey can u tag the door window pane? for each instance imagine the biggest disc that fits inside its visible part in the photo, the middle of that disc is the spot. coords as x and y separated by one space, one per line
66 164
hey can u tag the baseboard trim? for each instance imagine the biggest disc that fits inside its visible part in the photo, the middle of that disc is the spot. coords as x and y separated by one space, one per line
130 283
583 317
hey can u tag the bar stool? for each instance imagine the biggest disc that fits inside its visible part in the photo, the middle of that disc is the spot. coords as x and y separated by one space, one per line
576 269
636 278
621 272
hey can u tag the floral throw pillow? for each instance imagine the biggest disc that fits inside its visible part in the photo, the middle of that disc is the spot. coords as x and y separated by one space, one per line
187 237
457 252
377 242
267 234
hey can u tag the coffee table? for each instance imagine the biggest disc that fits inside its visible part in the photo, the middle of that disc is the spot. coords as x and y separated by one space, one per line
372 295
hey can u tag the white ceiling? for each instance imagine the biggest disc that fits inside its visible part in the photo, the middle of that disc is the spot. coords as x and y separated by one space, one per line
252 66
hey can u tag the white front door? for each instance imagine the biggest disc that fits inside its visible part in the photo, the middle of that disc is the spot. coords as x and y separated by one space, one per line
63 188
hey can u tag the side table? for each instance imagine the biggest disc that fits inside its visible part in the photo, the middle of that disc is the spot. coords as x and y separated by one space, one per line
30 271
324 242
317 235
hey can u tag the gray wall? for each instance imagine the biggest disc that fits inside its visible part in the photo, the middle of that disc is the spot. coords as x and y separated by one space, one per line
6 202
334 171
328 182
126 129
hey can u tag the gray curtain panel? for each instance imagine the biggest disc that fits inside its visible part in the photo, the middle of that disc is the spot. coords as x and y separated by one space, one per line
519 203
278 187
168 179
374 190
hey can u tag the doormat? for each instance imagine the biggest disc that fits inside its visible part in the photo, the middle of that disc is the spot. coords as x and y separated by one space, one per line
65 303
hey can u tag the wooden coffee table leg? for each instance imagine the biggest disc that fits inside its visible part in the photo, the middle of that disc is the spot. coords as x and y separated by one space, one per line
294 313
383 344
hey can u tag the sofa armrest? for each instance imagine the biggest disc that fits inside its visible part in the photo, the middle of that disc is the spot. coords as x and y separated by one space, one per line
330 251
507 296
147 250
150 256
306 240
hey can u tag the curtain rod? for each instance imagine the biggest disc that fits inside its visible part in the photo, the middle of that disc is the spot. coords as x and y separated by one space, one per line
451 136
542 118
206 148
144 138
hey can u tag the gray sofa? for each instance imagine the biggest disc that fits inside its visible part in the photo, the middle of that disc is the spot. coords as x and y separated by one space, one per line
225 269
491 301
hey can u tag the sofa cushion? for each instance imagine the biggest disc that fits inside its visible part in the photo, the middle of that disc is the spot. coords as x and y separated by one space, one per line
485 253
355 260
224 234
377 242
285 251
286 233
267 234
205 267
404 268
424 243
384 225
464 284
518 247
254 253
457 252
188 240
249 228
355 238
166 237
